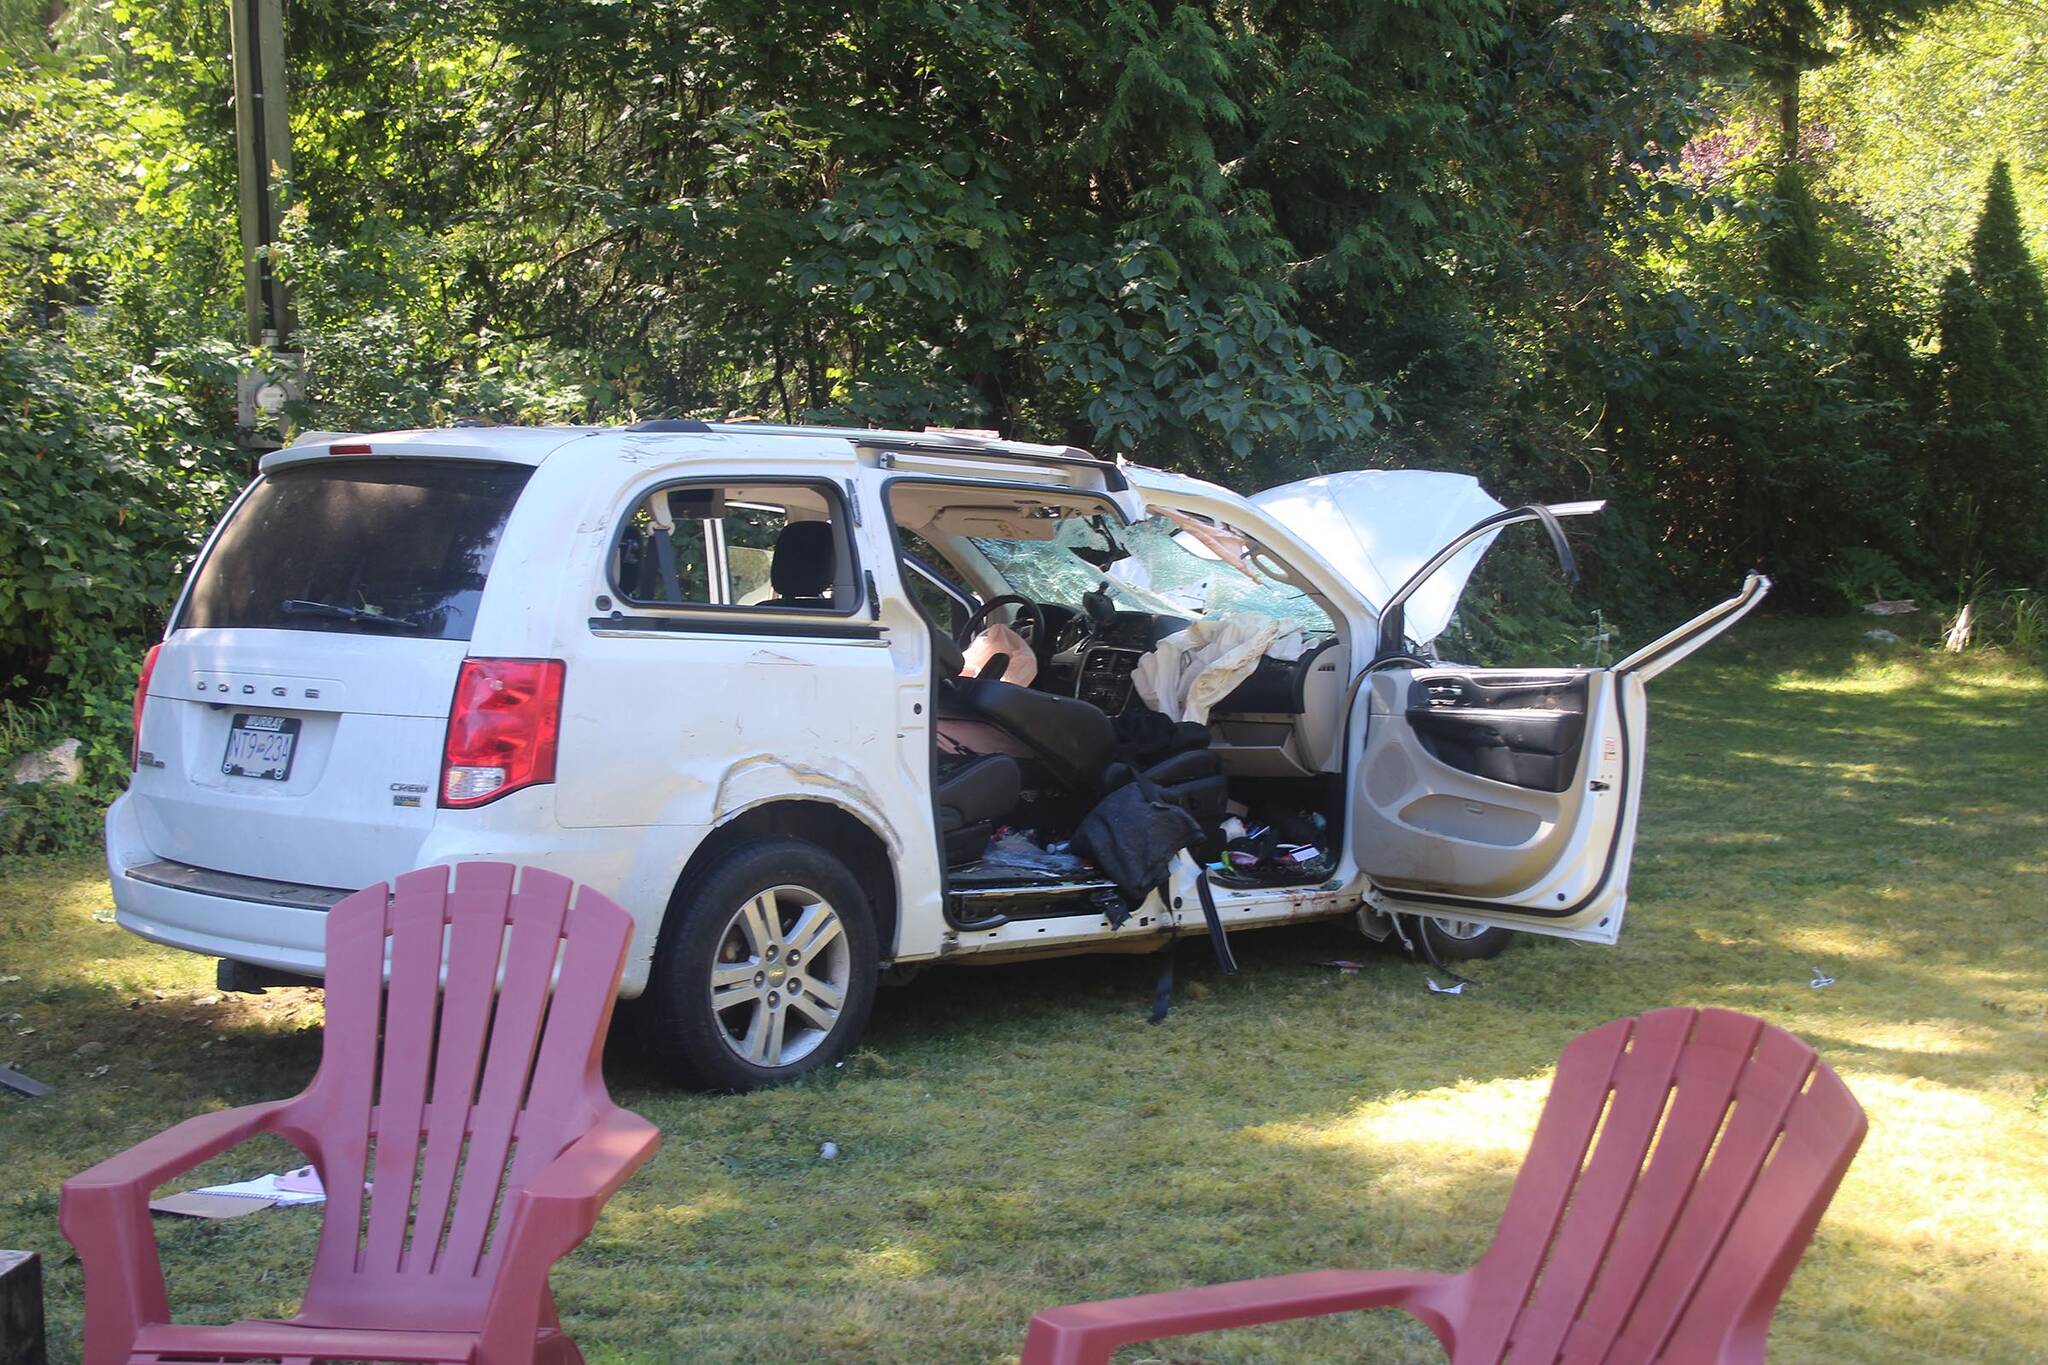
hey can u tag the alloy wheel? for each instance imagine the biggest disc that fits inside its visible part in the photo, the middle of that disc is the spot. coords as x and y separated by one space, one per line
780 976
1462 929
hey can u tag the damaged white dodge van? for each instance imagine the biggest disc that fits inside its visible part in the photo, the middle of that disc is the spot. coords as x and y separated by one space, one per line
817 702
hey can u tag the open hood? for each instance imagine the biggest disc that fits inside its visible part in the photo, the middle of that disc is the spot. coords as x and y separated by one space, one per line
1377 527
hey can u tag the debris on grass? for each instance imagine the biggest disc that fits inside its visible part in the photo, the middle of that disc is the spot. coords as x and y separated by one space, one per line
21 1084
288 1189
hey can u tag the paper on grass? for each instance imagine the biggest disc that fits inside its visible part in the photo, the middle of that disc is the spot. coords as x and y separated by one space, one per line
239 1197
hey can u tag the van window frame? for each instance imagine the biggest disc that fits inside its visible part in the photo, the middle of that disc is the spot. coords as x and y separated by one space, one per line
841 521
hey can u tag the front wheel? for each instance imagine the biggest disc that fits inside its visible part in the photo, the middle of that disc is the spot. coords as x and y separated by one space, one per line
765 968
1460 940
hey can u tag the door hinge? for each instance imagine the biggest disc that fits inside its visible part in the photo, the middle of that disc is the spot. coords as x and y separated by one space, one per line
1599 786
874 597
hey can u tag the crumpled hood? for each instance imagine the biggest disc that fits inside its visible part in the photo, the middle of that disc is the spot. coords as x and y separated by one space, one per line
1378 526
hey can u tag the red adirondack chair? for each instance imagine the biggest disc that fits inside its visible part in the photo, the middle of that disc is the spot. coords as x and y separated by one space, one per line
485 1135
1674 1254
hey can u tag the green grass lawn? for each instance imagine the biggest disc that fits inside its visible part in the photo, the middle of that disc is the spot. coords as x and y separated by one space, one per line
1014 1138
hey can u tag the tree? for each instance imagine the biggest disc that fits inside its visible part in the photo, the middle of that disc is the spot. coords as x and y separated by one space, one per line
2005 273
1991 449
1790 37
1792 245
1911 129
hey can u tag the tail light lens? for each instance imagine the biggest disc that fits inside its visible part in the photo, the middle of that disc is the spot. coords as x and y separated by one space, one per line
502 729
141 696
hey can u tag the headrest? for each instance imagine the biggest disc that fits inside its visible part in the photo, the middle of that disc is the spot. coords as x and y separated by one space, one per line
806 553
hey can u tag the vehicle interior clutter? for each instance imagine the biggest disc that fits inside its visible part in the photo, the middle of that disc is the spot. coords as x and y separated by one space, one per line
1113 694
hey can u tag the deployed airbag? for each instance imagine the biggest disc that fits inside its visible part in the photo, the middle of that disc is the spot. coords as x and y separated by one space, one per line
1188 672
997 638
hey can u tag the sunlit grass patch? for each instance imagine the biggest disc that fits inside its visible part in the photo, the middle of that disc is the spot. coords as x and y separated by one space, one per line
1466 1124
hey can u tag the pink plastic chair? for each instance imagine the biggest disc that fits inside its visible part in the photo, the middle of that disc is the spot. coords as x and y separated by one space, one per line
485 1135
1628 1254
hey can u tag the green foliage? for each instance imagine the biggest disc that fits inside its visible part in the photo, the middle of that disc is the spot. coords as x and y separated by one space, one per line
1556 247
1792 246
1068 224
1911 129
108 475
1518 611
1860 575
393 348
1990 446
2005 272
1795 34
51 818
2026 619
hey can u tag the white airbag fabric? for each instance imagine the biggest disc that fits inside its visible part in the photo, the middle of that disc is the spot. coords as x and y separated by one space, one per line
996 638
1188 672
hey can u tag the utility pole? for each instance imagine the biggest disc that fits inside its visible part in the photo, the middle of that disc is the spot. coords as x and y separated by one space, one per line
263 143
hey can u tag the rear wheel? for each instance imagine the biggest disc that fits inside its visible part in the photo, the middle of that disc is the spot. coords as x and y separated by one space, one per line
765 969
1461 940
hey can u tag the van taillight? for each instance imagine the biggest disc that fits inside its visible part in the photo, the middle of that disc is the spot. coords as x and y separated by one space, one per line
502 729
141 696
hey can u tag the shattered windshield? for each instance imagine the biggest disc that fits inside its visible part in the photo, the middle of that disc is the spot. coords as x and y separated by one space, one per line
1154 566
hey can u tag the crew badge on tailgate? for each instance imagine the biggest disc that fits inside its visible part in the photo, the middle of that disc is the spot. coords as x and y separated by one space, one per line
261 746
407 793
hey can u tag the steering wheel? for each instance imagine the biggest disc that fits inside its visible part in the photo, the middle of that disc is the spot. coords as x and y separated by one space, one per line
1009 599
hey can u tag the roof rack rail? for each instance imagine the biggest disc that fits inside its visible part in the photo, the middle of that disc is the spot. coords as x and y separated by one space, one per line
1067 457
668 424
955 444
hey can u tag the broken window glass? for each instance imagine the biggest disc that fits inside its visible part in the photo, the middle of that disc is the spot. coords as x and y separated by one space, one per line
1154 566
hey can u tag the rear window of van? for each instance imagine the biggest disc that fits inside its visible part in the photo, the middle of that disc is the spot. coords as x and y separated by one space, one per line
362 547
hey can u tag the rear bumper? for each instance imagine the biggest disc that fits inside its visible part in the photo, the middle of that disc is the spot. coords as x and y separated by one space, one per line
283 925
249 919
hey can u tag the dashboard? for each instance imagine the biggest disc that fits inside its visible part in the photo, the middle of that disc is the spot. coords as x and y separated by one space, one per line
1283 720
1093 660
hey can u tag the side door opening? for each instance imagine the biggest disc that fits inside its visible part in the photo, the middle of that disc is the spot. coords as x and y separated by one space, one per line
1091 597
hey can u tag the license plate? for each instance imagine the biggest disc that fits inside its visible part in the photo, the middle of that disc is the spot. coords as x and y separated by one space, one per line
261 746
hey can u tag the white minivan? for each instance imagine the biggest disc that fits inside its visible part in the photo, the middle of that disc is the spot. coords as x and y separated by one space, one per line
818 702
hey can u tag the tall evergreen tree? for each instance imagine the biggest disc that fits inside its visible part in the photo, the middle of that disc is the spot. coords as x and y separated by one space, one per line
2011 283
1991 450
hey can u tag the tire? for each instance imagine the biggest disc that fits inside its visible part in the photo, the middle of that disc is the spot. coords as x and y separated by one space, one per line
1456 940
750 908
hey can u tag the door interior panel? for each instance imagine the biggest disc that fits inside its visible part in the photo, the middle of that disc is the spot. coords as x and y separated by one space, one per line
1526 732
1439 808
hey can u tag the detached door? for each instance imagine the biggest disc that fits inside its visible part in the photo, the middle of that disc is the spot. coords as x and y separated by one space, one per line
1508 796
